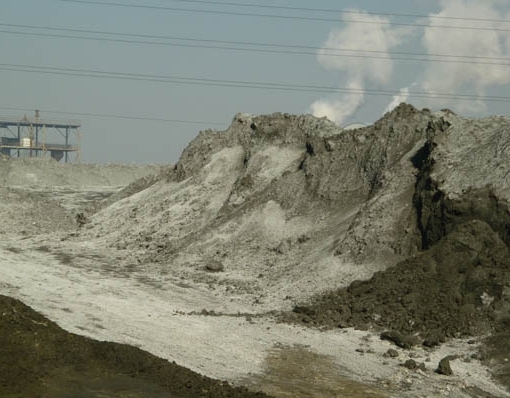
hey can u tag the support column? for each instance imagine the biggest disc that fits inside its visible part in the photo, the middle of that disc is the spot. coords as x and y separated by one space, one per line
67 143
19 139
36 141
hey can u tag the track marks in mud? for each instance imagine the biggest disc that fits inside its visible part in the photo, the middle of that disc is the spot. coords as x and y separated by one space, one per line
297 371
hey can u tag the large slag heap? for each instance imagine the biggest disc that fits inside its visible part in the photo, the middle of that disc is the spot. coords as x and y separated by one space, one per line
402 225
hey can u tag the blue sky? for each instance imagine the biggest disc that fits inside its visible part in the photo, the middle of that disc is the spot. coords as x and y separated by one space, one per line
388 38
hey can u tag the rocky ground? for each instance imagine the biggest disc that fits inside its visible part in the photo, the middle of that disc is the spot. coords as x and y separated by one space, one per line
285 254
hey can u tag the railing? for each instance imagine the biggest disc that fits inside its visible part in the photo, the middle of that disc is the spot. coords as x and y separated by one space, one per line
41 147
39 121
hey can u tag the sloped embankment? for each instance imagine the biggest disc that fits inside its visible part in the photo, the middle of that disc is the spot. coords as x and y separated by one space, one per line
281 208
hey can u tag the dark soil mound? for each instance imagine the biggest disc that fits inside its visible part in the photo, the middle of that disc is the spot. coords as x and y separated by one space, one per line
37 358
455 288
496 352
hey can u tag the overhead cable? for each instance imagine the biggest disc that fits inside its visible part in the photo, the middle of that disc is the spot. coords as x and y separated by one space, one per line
342 11
200 81
267 47
274 16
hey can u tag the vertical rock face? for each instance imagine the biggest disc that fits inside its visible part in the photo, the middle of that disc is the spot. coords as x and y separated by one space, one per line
465 177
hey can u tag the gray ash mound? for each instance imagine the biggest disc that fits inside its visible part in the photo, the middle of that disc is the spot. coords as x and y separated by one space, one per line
37 358
294 206
290 206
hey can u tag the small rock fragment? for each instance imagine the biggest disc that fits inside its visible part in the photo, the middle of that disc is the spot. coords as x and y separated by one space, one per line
401 340
434 339
214 266
444 367
391 353
410 364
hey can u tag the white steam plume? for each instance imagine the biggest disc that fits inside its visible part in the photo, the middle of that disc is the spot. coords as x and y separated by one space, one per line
340 109
402 96
454 78
358 71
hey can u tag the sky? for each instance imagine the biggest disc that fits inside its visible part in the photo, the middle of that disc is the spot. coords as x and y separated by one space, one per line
144 77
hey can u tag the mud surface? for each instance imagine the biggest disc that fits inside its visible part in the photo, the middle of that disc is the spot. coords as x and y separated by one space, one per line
37 358
292 370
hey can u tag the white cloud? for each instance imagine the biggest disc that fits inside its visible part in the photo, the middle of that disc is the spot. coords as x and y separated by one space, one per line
357 71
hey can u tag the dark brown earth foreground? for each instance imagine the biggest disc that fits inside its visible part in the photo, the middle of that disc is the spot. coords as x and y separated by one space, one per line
39 359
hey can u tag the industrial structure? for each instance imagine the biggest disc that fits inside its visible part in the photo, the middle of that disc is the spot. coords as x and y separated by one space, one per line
27 137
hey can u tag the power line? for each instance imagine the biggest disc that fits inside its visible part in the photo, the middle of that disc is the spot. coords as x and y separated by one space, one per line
236 83
329 10
268 47
291 17
117 116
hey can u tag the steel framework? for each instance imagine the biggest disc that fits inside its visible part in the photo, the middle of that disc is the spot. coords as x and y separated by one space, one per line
27 136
